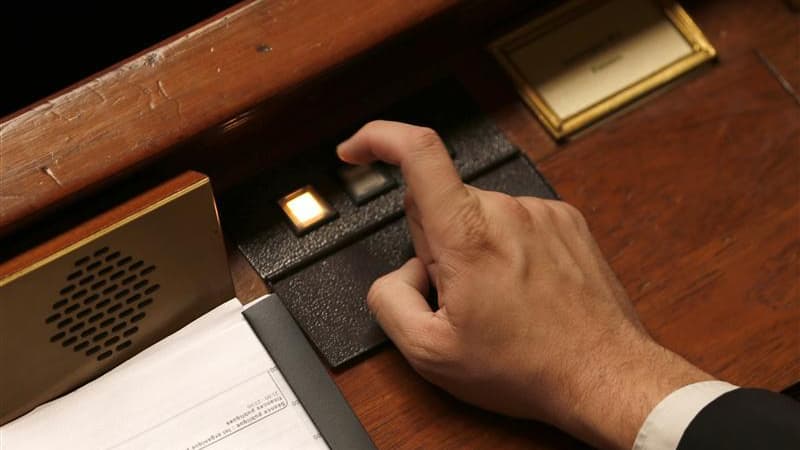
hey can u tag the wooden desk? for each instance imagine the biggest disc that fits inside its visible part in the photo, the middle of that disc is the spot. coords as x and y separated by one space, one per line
693 195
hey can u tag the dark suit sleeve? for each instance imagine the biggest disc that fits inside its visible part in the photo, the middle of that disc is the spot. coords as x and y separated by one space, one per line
745 419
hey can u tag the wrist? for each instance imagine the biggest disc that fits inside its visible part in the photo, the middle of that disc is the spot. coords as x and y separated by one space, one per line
624 384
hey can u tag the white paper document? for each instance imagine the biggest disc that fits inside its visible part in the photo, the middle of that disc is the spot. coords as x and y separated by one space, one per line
210 385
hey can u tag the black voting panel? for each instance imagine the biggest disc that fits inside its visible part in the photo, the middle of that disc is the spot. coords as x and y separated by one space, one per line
328 297
323 276
260 229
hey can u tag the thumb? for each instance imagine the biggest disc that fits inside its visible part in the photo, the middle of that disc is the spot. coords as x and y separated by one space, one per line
397 300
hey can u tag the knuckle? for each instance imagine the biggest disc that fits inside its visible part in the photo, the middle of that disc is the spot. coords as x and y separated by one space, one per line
553 211
426 363
375 124
470 225
537 208
408 199
432 354
514 207
422 351
408 202
370 127
567 212
425 139
568 209
376 292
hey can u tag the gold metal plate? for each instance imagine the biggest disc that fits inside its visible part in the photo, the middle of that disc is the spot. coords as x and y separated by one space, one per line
587 59
71 316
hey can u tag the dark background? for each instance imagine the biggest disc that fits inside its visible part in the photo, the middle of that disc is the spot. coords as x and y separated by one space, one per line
47 46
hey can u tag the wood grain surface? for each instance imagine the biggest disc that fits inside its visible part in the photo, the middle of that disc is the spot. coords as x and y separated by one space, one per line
694 197
106 126
695 200
693 194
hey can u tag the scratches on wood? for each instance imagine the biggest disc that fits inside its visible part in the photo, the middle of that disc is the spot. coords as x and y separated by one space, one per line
162 90
773 70
97 92
131 98
224 22
153 58
152 103
49 172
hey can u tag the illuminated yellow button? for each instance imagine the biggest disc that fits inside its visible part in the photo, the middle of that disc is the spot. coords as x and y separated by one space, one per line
306 209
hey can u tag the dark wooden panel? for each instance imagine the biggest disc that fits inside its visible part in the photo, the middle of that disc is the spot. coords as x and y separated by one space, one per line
693 196
695 200
351 94
131 113
60 39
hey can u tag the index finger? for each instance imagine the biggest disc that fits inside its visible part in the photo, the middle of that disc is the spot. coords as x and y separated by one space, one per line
429 173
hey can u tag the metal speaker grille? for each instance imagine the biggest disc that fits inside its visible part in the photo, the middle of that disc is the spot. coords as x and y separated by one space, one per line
102 303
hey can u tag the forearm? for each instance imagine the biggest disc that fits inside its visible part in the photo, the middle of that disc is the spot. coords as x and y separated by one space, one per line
620 390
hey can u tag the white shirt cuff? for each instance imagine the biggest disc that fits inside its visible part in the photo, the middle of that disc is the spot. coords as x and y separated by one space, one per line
666 423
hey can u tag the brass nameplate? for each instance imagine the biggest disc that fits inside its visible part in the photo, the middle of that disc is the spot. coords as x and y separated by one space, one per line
589 58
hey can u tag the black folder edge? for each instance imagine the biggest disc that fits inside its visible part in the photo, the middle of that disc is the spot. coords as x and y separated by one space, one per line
305 374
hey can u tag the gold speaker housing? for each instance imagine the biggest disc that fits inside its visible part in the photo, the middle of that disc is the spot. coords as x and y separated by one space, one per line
170 267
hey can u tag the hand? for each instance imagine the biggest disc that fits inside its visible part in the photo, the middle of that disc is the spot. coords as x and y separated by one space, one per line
532 322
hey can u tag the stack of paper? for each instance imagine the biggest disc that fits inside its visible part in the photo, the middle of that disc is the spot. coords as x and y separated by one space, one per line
211 384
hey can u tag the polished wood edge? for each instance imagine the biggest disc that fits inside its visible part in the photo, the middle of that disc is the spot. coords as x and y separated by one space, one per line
138 110
100 224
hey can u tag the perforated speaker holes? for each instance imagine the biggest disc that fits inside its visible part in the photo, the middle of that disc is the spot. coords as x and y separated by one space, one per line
104 298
